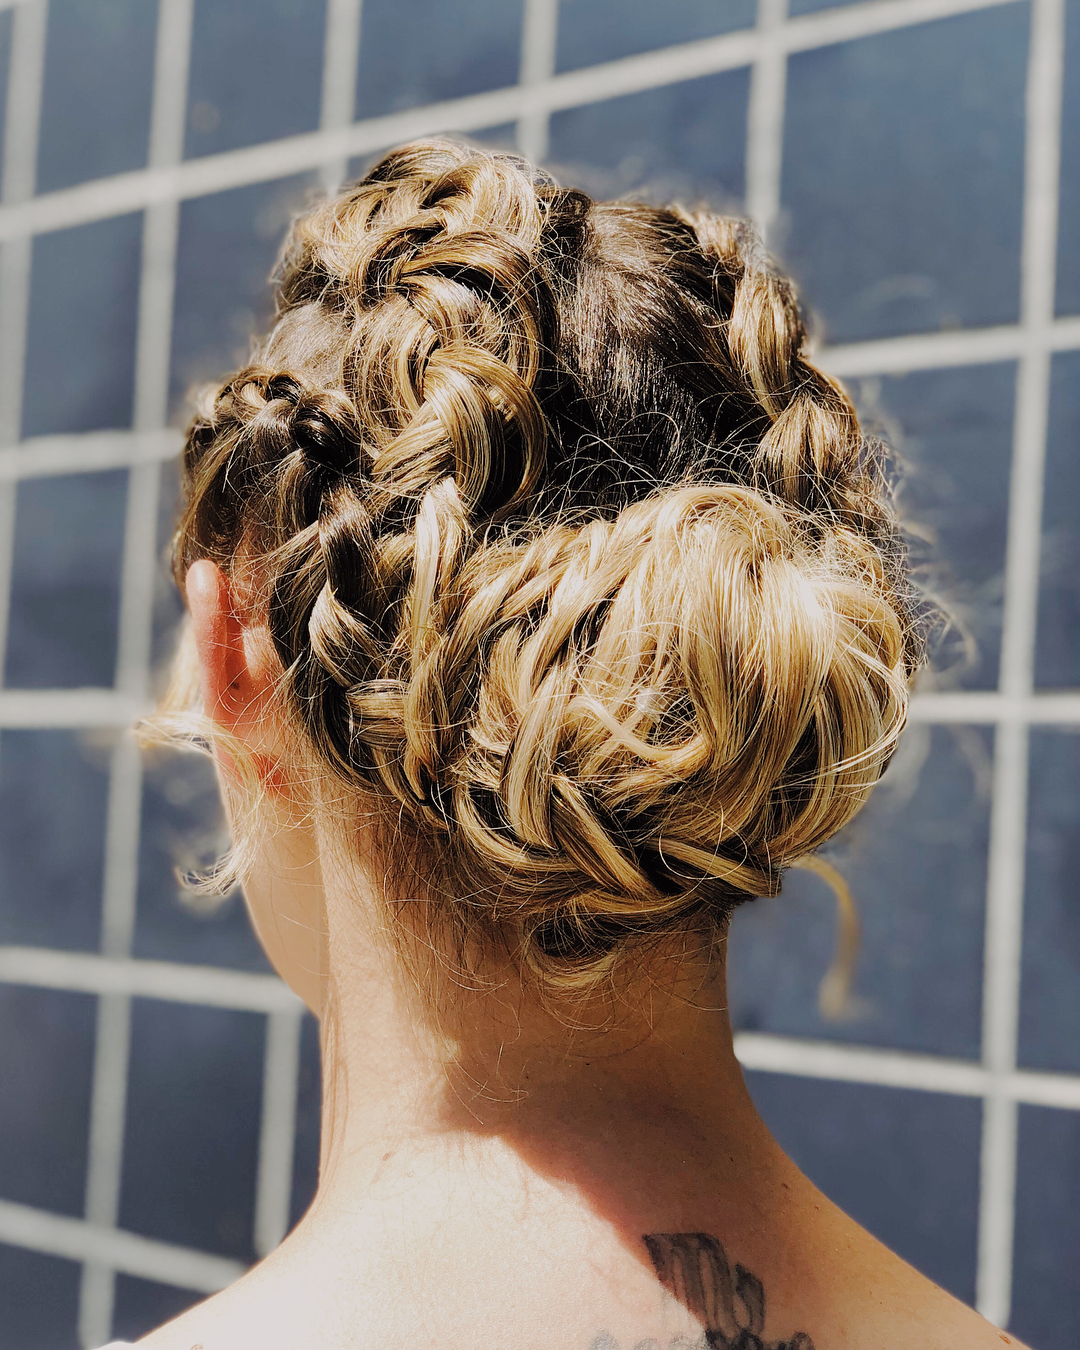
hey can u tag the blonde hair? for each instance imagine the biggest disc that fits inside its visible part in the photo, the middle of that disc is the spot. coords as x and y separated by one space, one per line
573 562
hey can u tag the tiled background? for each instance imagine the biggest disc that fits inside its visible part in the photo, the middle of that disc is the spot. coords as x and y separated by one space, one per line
916 163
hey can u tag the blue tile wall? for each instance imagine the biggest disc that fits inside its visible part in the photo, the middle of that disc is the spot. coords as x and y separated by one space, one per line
53 801
45 1103
99 74
1046 1291
308 1105
901 194
895 217
142 1305
1068 258
952 431
194 1097
65 585
915 860
227 247
1057 654
684 140
183 829
80 344
903 1164
253 78
412 54
40 1298
1050 988
589 31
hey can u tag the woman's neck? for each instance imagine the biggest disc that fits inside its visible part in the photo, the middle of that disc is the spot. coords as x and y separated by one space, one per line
633 1089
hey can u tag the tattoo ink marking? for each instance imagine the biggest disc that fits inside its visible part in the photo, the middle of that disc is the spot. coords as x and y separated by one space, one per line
728 1302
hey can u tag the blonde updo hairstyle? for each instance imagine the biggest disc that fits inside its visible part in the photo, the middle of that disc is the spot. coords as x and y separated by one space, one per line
582 578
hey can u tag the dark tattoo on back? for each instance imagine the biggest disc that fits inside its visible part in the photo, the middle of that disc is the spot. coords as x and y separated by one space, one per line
727 1300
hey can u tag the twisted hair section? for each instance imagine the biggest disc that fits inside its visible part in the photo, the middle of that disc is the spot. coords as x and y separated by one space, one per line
571 558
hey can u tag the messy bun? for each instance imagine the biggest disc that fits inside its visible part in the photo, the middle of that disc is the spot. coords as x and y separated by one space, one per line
571 558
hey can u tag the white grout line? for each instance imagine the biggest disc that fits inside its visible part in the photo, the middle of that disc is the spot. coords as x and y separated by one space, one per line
90 973
281 1074
112 1038
958 347
139 569
25 77
1006 865
843 1062
46 709
538 38
297 154
876 1066
86 452
76 1240
26 71
765 121
995 708
105 1159
341 59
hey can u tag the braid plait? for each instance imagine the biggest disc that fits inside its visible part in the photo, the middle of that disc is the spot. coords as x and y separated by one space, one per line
571 557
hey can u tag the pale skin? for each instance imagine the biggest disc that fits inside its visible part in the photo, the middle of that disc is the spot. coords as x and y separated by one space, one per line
490 1166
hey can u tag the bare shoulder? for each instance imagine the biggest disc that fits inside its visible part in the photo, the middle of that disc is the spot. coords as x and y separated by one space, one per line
865 1297
805 1277
704 1299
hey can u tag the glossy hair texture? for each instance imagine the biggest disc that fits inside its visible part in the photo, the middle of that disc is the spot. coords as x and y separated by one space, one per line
573 562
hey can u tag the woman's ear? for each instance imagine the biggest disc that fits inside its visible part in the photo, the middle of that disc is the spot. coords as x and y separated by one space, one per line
233 691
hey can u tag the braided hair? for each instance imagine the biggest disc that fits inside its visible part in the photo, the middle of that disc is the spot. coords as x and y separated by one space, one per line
572 560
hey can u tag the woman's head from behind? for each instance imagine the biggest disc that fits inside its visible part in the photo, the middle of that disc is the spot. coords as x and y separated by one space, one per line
579 583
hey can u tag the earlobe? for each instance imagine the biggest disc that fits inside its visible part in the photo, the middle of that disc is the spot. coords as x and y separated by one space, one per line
227 688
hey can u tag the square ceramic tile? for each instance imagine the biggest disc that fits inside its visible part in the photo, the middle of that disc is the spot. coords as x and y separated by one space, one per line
183 834
951 433
798 7
684 141
904 1164
142 1305
256 75
99 77
228 245
65 580
195 1100
589 32
54 793
308 1106
45 1105
903 176
40 1298
1057 650
452 50
1045 1293
1068 258
1050 988
915 860
6 17
80 342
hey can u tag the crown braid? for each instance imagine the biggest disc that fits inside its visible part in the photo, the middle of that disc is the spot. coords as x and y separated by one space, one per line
572 557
